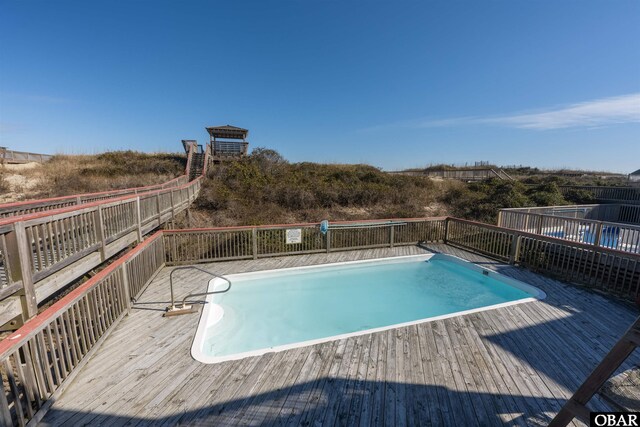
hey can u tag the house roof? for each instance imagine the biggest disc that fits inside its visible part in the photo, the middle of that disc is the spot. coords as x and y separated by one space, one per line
228 131
635 173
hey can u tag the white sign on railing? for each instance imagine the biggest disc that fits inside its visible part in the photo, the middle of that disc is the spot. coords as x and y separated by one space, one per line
293 236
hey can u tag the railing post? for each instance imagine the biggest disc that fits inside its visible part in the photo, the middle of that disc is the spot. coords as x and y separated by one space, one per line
159 212
125 282
101 234
514 251
173 207
254 242
446 230
78 200
29 301
391 236
598 235
139 219
328 237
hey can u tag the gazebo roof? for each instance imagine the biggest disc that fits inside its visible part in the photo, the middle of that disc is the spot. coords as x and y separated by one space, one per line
228 131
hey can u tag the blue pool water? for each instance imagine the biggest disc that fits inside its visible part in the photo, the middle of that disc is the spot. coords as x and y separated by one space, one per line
608 238
272 310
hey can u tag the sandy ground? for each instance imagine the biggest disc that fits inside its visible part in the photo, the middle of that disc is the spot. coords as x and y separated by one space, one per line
22 180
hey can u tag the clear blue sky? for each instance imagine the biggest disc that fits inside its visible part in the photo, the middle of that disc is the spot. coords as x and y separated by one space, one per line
395 84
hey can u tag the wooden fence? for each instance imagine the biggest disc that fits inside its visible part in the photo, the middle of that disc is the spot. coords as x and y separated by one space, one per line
39 360
41 253
613 235
471 174
204 245
607 270
12 156
607 194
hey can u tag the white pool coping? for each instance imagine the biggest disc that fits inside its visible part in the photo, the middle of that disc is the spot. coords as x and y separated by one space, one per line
213 313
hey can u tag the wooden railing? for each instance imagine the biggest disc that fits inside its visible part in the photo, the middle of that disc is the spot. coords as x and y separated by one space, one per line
41 253
608 270
12 156
31 206
608 194
205 245
613 235
478 174
222 149
40 360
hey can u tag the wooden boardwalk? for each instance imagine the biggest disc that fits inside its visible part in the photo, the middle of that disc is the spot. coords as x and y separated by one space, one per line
509 366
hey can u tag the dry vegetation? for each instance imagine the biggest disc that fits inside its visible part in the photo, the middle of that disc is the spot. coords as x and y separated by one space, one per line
65 174
266 189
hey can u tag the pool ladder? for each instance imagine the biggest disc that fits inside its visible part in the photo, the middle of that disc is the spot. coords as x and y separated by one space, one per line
183 308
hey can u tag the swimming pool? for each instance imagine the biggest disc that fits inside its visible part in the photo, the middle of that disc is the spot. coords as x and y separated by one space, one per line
281 309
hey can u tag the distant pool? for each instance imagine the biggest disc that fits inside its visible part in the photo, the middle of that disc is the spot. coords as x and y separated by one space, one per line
281 309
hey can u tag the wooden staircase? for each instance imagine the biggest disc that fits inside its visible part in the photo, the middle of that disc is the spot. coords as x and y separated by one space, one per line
197 165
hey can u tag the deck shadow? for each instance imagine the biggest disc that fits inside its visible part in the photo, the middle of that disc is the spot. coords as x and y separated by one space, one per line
342 402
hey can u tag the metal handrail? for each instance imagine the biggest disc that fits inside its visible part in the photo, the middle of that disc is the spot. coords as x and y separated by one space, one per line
366 225
192 267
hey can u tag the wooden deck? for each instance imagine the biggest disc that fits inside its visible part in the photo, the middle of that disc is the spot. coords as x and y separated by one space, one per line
514 365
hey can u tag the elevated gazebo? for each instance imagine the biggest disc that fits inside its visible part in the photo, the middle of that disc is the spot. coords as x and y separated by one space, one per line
227 142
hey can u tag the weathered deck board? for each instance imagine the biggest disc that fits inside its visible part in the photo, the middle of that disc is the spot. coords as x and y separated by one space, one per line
512 365
623 390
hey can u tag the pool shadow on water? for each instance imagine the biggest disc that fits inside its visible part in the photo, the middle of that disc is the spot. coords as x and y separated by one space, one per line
342 402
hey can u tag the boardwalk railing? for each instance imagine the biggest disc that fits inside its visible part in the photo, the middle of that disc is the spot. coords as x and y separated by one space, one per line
558 223
608 194
40 359
41 253
31 206
472 174
12 156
